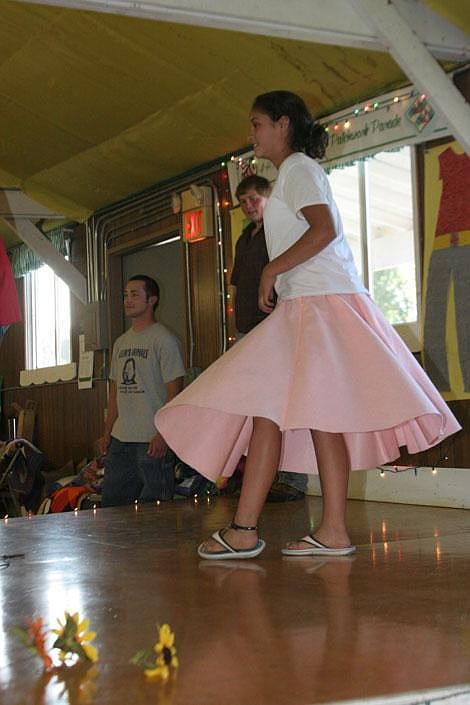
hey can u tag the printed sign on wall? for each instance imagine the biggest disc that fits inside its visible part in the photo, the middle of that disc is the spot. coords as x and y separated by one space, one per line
392 120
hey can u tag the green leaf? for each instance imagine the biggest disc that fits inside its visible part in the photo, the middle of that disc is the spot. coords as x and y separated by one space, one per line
67 642
22 634
143 659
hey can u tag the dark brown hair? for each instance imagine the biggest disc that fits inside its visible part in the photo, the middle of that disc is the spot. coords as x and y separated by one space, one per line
150 285
306 135
258 183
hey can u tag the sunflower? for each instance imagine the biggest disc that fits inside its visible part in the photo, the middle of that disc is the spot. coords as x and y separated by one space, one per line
166 654
73 639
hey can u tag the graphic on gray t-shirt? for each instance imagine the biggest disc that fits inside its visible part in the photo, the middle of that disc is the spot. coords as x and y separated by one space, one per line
143 363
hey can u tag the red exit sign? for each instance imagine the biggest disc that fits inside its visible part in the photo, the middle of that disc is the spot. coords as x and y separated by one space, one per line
193 227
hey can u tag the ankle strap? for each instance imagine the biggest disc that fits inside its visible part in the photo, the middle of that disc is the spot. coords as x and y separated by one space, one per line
239 527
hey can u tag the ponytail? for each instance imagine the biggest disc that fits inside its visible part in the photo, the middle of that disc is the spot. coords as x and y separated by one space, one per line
316 141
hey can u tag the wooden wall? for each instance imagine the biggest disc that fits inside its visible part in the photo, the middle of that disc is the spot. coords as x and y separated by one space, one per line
205 303
68 420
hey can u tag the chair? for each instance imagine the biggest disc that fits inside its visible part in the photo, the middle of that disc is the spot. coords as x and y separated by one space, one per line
21 478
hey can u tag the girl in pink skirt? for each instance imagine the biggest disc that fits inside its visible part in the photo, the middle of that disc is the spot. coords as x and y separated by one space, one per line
323 383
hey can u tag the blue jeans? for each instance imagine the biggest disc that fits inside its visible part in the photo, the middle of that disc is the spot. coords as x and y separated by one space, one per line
450 264
298 480
131 474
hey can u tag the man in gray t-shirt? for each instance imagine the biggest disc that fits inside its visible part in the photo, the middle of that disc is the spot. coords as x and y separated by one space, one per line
146 372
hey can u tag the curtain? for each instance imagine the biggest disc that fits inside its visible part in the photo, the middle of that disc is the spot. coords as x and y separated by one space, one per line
24 260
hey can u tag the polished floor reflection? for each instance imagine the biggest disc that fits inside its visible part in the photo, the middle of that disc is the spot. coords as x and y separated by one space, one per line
392 619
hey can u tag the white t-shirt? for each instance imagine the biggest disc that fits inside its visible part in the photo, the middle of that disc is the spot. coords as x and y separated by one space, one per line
302 182
143 363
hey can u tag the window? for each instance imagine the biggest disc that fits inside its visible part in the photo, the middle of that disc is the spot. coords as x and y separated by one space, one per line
47 306
376 201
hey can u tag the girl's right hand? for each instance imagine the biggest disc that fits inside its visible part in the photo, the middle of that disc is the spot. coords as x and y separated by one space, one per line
266 296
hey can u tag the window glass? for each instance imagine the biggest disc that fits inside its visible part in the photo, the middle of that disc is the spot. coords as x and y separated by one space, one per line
392 279
375 199
47 319
345 186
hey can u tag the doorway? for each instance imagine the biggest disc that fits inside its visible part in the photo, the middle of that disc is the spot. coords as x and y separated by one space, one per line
164 262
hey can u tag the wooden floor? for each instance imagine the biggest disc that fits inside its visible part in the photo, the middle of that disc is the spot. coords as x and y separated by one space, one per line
271 631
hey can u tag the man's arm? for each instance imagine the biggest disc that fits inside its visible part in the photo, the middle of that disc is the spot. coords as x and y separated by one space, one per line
111 417
173 388
157 446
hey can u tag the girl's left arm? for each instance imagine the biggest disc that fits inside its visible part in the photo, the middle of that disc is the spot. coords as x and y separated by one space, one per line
319 234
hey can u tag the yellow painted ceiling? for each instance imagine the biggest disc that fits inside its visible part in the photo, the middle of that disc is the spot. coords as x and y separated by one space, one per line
454 11
94 107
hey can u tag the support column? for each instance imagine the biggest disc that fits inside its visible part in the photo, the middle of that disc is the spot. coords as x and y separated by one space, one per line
418 63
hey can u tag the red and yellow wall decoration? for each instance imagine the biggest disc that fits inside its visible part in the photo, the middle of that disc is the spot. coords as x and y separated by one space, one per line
446 270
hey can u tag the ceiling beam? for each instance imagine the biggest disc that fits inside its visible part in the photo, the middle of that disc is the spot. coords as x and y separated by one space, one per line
39 243
23 206
322 21
417 62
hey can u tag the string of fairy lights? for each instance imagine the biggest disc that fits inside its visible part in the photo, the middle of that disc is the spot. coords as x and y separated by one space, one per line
444 457
198 498
206 497
345 121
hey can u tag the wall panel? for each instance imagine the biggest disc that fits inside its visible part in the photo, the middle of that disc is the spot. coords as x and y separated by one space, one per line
68 420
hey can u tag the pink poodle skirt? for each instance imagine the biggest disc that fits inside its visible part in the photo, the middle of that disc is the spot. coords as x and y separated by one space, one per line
331 363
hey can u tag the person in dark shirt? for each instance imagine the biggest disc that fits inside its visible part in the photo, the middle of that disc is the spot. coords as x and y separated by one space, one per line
251 256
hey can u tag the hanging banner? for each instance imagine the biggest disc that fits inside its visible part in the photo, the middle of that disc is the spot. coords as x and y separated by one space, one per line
446 267
391 120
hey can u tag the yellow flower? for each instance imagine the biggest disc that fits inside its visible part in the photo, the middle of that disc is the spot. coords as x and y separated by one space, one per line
166 654
73 638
